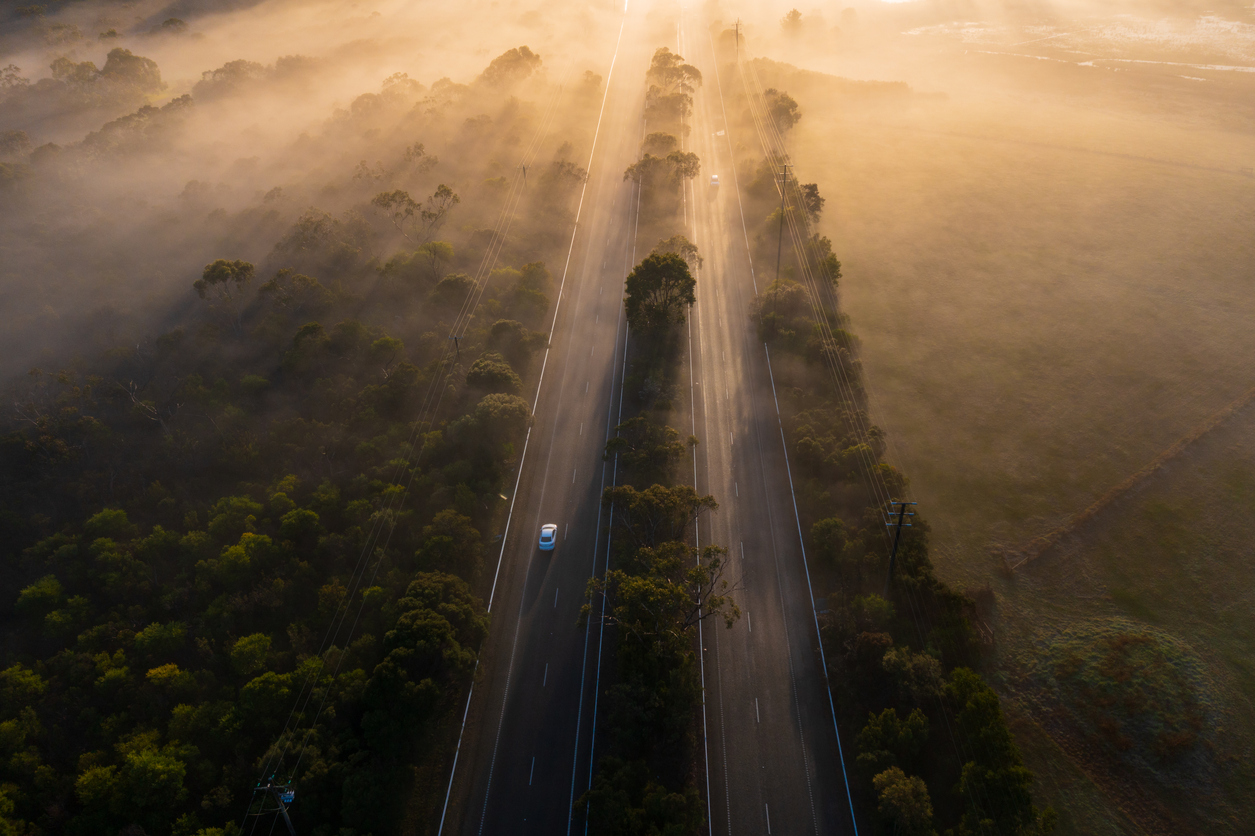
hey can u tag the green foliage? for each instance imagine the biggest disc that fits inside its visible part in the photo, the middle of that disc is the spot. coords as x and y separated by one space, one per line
682 247
904 803
491 373
900 661
1138 692
782 109
295 293
510 67
515 342
451 544
658 514
418 220
249 654
111 523
452 291
432 645
169 590
659 144
670 83
40 597
625 801
648 449
888 741
658 291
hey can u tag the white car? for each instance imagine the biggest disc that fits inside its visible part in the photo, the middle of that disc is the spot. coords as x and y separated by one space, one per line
714 179
548 537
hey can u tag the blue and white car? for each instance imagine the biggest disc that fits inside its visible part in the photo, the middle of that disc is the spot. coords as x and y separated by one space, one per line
548 537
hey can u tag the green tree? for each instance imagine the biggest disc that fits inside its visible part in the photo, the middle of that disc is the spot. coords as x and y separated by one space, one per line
888 741
222 283
821 248
432 644
903 802
657 514
41 597
670 74
650 449
782 109
674 590
658 291
995 785
812 202
491 373
124 67
685 165
295 292
452 544
626 800
414 220
515 341
510 67
436 255
659 144
452 291
249 654
681 246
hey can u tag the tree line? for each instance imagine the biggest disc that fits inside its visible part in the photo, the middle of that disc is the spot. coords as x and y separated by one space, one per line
659 587
185 513
931 749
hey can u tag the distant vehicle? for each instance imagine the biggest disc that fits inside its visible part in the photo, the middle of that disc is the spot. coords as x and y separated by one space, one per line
714 179
548 537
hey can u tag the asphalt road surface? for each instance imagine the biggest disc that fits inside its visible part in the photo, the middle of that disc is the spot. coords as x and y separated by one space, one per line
772 742
526 751
770 745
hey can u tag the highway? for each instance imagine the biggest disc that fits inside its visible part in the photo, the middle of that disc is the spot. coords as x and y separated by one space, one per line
772 744
769 741
525 754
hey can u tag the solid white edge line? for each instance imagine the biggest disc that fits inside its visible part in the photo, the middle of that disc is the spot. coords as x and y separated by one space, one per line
523 456
810 590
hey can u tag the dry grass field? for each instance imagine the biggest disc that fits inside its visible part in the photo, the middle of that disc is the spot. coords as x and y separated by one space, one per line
1051 267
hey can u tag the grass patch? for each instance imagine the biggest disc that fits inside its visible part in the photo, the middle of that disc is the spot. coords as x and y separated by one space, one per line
1136 691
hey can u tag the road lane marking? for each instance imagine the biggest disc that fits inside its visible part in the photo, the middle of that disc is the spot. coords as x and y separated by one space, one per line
737 487
532 772
581 427
546 679
565 530
823 662
757 717
573 472
768 812
749 619
585 387
555 596
517 480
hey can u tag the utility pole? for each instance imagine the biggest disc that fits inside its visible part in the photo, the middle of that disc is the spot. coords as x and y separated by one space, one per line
524 167
897 535
457 348
281 795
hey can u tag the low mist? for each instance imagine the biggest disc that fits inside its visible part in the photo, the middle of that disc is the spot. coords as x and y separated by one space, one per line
1043 213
